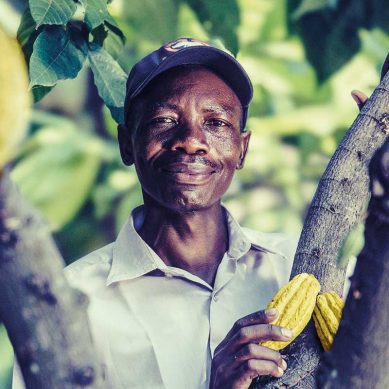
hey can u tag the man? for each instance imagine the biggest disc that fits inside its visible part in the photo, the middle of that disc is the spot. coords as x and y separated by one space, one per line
177 301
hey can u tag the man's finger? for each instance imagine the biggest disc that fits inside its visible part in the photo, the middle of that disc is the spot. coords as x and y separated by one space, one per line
256 351
259 333
359 97
259 317
253 368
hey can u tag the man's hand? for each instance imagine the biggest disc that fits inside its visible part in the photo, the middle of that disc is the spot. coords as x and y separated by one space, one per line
239 358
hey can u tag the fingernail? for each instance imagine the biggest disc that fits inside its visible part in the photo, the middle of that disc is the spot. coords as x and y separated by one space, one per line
280 371
271 312
284 364
286 332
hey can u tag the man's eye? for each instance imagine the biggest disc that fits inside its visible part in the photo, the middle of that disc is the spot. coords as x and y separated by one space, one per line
162 120
216 123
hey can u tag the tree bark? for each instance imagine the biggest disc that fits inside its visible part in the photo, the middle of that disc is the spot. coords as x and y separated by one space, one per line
360 355
338 204
46 320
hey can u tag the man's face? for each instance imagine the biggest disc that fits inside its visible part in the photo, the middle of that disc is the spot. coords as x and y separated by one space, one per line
186 142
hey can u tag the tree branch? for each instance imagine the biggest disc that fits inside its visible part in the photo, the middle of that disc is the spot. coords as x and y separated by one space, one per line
46 320
338 204
360 355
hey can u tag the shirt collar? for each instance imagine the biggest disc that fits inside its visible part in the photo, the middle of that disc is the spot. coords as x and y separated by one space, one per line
143 259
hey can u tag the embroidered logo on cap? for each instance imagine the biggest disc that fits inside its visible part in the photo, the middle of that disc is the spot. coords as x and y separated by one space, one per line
183 43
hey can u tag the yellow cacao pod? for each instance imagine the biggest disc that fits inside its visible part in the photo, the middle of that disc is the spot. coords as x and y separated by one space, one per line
327 315
295 302
14 97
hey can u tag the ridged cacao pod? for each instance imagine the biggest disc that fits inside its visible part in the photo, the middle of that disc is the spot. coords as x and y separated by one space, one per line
327 315
295 302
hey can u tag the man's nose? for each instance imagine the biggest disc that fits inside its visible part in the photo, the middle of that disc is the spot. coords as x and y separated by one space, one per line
191 139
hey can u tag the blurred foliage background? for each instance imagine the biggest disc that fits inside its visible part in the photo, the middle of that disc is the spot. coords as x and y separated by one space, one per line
303 56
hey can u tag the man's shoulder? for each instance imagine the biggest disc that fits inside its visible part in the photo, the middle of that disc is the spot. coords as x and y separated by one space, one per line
280 243
92 269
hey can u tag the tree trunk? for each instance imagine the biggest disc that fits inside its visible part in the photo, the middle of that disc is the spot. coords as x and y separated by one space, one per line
338 204
360 355
46 320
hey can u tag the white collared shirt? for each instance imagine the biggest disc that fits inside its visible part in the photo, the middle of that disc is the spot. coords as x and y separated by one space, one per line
157 326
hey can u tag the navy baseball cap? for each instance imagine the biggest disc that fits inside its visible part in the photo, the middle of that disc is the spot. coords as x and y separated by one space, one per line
188 51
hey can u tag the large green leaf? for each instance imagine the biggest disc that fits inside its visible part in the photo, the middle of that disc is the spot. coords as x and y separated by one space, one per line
330 34
55 57
331 37
109 77
95 13
52 11
221 18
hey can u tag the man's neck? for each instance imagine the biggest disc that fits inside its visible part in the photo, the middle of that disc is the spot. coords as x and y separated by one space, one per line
194 241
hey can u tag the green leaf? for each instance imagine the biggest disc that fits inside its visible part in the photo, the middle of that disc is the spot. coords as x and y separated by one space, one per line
109 77
39 92
95 13
330 37
27 33
55 57
99 34
117 113
220 18
52 11
110 37
111 24
308 6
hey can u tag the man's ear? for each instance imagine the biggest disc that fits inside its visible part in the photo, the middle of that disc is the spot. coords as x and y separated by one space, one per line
124 140
245 140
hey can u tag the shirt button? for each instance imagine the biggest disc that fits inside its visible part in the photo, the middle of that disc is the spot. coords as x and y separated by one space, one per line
215 297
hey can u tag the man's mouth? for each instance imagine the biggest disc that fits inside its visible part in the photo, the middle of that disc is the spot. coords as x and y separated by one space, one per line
188 173
188 168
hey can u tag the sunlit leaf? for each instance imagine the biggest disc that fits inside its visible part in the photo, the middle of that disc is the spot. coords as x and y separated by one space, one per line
52 11
109 77
95 13
55 57
308 6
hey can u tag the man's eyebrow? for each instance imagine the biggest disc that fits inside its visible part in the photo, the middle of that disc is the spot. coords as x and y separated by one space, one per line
219 109
160 105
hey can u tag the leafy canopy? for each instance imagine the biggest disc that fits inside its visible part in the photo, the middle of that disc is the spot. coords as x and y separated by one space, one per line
57 36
